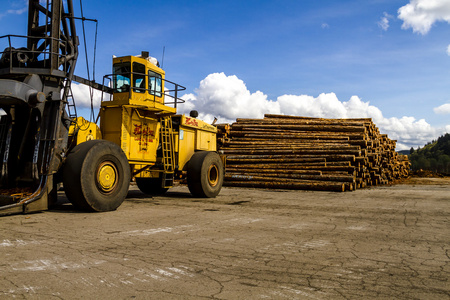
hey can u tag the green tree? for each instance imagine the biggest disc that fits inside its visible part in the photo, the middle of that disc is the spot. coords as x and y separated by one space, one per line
433 164
423 163
434 156
444 164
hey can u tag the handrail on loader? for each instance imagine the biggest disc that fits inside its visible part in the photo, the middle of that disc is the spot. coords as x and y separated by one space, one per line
171 92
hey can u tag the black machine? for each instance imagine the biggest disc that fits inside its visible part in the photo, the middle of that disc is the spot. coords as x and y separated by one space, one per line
36 72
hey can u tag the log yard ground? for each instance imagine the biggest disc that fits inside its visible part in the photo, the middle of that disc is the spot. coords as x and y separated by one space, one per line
384 242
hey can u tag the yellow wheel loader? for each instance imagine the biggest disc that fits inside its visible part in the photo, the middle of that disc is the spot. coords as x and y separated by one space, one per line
141 138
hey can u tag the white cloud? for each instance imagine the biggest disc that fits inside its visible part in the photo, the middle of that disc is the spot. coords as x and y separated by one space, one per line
325 105
82 96
384 21
444 109
325 26
227 98
448 50
18 11
420 15
408 131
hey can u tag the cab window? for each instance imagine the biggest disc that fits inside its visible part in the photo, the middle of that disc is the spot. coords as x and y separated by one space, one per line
121 78
138 78
154 83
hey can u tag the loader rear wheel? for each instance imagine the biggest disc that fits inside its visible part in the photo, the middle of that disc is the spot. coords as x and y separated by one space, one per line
205 174
151 186
96 176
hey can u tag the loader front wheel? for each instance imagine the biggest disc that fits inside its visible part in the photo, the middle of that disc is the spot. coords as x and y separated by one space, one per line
96 176
205 174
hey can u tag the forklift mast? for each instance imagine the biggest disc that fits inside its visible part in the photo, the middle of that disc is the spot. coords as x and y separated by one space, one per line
36 72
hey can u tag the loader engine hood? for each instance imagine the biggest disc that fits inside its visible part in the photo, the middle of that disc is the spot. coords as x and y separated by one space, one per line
197 124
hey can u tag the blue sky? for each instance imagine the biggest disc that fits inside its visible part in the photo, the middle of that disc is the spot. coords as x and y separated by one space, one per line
247 58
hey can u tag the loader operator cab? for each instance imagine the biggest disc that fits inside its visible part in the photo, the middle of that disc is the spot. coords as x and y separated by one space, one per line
143 79
138 80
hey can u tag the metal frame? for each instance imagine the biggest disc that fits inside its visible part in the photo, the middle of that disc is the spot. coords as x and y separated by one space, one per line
46 67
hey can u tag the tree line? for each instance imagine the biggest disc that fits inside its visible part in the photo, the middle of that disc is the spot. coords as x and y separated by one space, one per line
434 156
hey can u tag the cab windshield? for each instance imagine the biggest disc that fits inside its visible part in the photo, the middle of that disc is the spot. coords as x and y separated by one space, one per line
121 78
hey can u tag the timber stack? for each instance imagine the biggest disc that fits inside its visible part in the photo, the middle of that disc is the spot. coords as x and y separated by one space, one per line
290 152
223 131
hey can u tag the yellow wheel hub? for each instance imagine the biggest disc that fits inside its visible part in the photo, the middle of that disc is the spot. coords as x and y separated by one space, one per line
213 175
106 176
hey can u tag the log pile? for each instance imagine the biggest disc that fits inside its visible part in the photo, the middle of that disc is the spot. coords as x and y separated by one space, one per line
308 153
223 131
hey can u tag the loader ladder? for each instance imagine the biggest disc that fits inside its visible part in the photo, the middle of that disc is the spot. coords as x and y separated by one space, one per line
71 107
167 152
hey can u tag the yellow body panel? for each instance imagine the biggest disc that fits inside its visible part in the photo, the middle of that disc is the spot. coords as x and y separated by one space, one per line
130 128
186 149
197 124
194 135
205 141
205 134
83 131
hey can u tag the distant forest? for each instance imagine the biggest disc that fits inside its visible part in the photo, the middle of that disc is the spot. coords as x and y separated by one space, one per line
434 156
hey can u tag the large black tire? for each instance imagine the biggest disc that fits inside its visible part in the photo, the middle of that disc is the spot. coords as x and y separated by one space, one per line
205 174
151 186
96 176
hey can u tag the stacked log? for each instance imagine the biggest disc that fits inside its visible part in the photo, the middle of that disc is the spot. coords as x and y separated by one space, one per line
309 153
223 131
